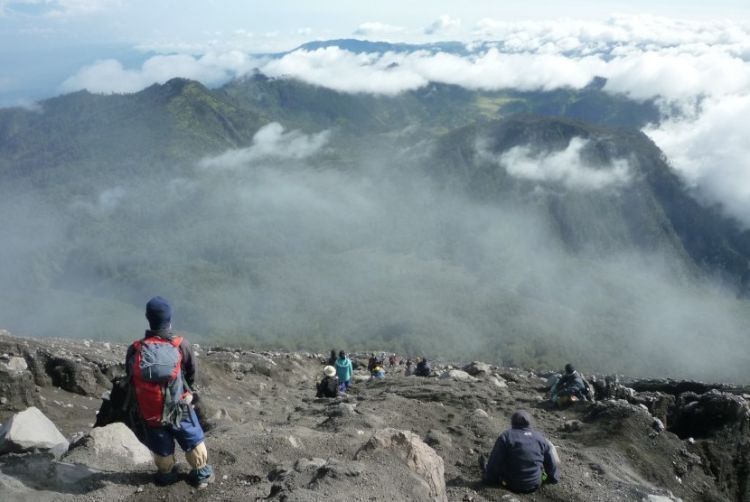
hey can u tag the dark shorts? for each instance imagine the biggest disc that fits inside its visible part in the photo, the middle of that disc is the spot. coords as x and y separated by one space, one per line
188 436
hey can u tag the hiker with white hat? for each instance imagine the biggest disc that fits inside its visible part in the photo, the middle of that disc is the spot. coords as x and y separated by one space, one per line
329 386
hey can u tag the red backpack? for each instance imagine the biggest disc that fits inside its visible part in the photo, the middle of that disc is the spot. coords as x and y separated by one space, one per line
158 382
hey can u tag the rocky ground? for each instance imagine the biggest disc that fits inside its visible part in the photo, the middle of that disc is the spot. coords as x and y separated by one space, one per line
402 438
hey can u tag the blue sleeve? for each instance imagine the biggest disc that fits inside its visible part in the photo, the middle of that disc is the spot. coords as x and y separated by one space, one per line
494 468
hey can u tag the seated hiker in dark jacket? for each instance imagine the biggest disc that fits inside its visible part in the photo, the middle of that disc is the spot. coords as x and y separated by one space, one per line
423 368
522 458
570 387
329 386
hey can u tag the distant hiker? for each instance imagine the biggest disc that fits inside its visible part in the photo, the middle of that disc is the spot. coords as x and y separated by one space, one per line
344 371
423 368
377 371
329 386
374 361
332 358
409 367
570 387
394 360
161 368
522 458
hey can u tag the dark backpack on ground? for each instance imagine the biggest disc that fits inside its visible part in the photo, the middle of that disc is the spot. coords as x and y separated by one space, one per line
121 406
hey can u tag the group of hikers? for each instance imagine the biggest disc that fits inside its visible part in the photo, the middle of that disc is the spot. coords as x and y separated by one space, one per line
161 368
337 374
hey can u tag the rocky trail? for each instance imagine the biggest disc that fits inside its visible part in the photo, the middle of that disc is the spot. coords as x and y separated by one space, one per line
401 438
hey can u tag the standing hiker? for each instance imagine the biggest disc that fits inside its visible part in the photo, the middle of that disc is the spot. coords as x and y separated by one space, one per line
344 371
161 368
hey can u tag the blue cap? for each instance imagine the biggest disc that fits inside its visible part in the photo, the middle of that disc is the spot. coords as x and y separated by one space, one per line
158 313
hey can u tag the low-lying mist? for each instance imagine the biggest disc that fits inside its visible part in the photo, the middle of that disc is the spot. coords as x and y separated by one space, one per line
273 248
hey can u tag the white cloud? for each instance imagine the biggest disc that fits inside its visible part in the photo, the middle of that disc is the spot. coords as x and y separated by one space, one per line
109 75
374 28
566 167
443 24
392 73
271 141
711 152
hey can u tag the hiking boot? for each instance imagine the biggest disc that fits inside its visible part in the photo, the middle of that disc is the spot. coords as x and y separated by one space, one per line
167 478
202 477
203 484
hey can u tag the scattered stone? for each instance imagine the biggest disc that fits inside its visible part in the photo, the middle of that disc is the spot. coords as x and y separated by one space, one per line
342 410
658 425
498 382
572 426
304 464
296 444
31 430
360 377
480 413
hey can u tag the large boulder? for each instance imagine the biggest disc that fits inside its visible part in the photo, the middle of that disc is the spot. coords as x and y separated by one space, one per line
111 448
76 375
418 457
478 369
457 375
30 430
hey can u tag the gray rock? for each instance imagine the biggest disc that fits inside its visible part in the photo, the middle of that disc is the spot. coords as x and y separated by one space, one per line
109 448
437 438
31 430
498 382
16 364
480 413
304 464
342 410
572 426
457 375
658 425
418 457
478 368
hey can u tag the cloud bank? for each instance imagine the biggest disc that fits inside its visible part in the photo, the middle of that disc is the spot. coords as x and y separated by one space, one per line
699 71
